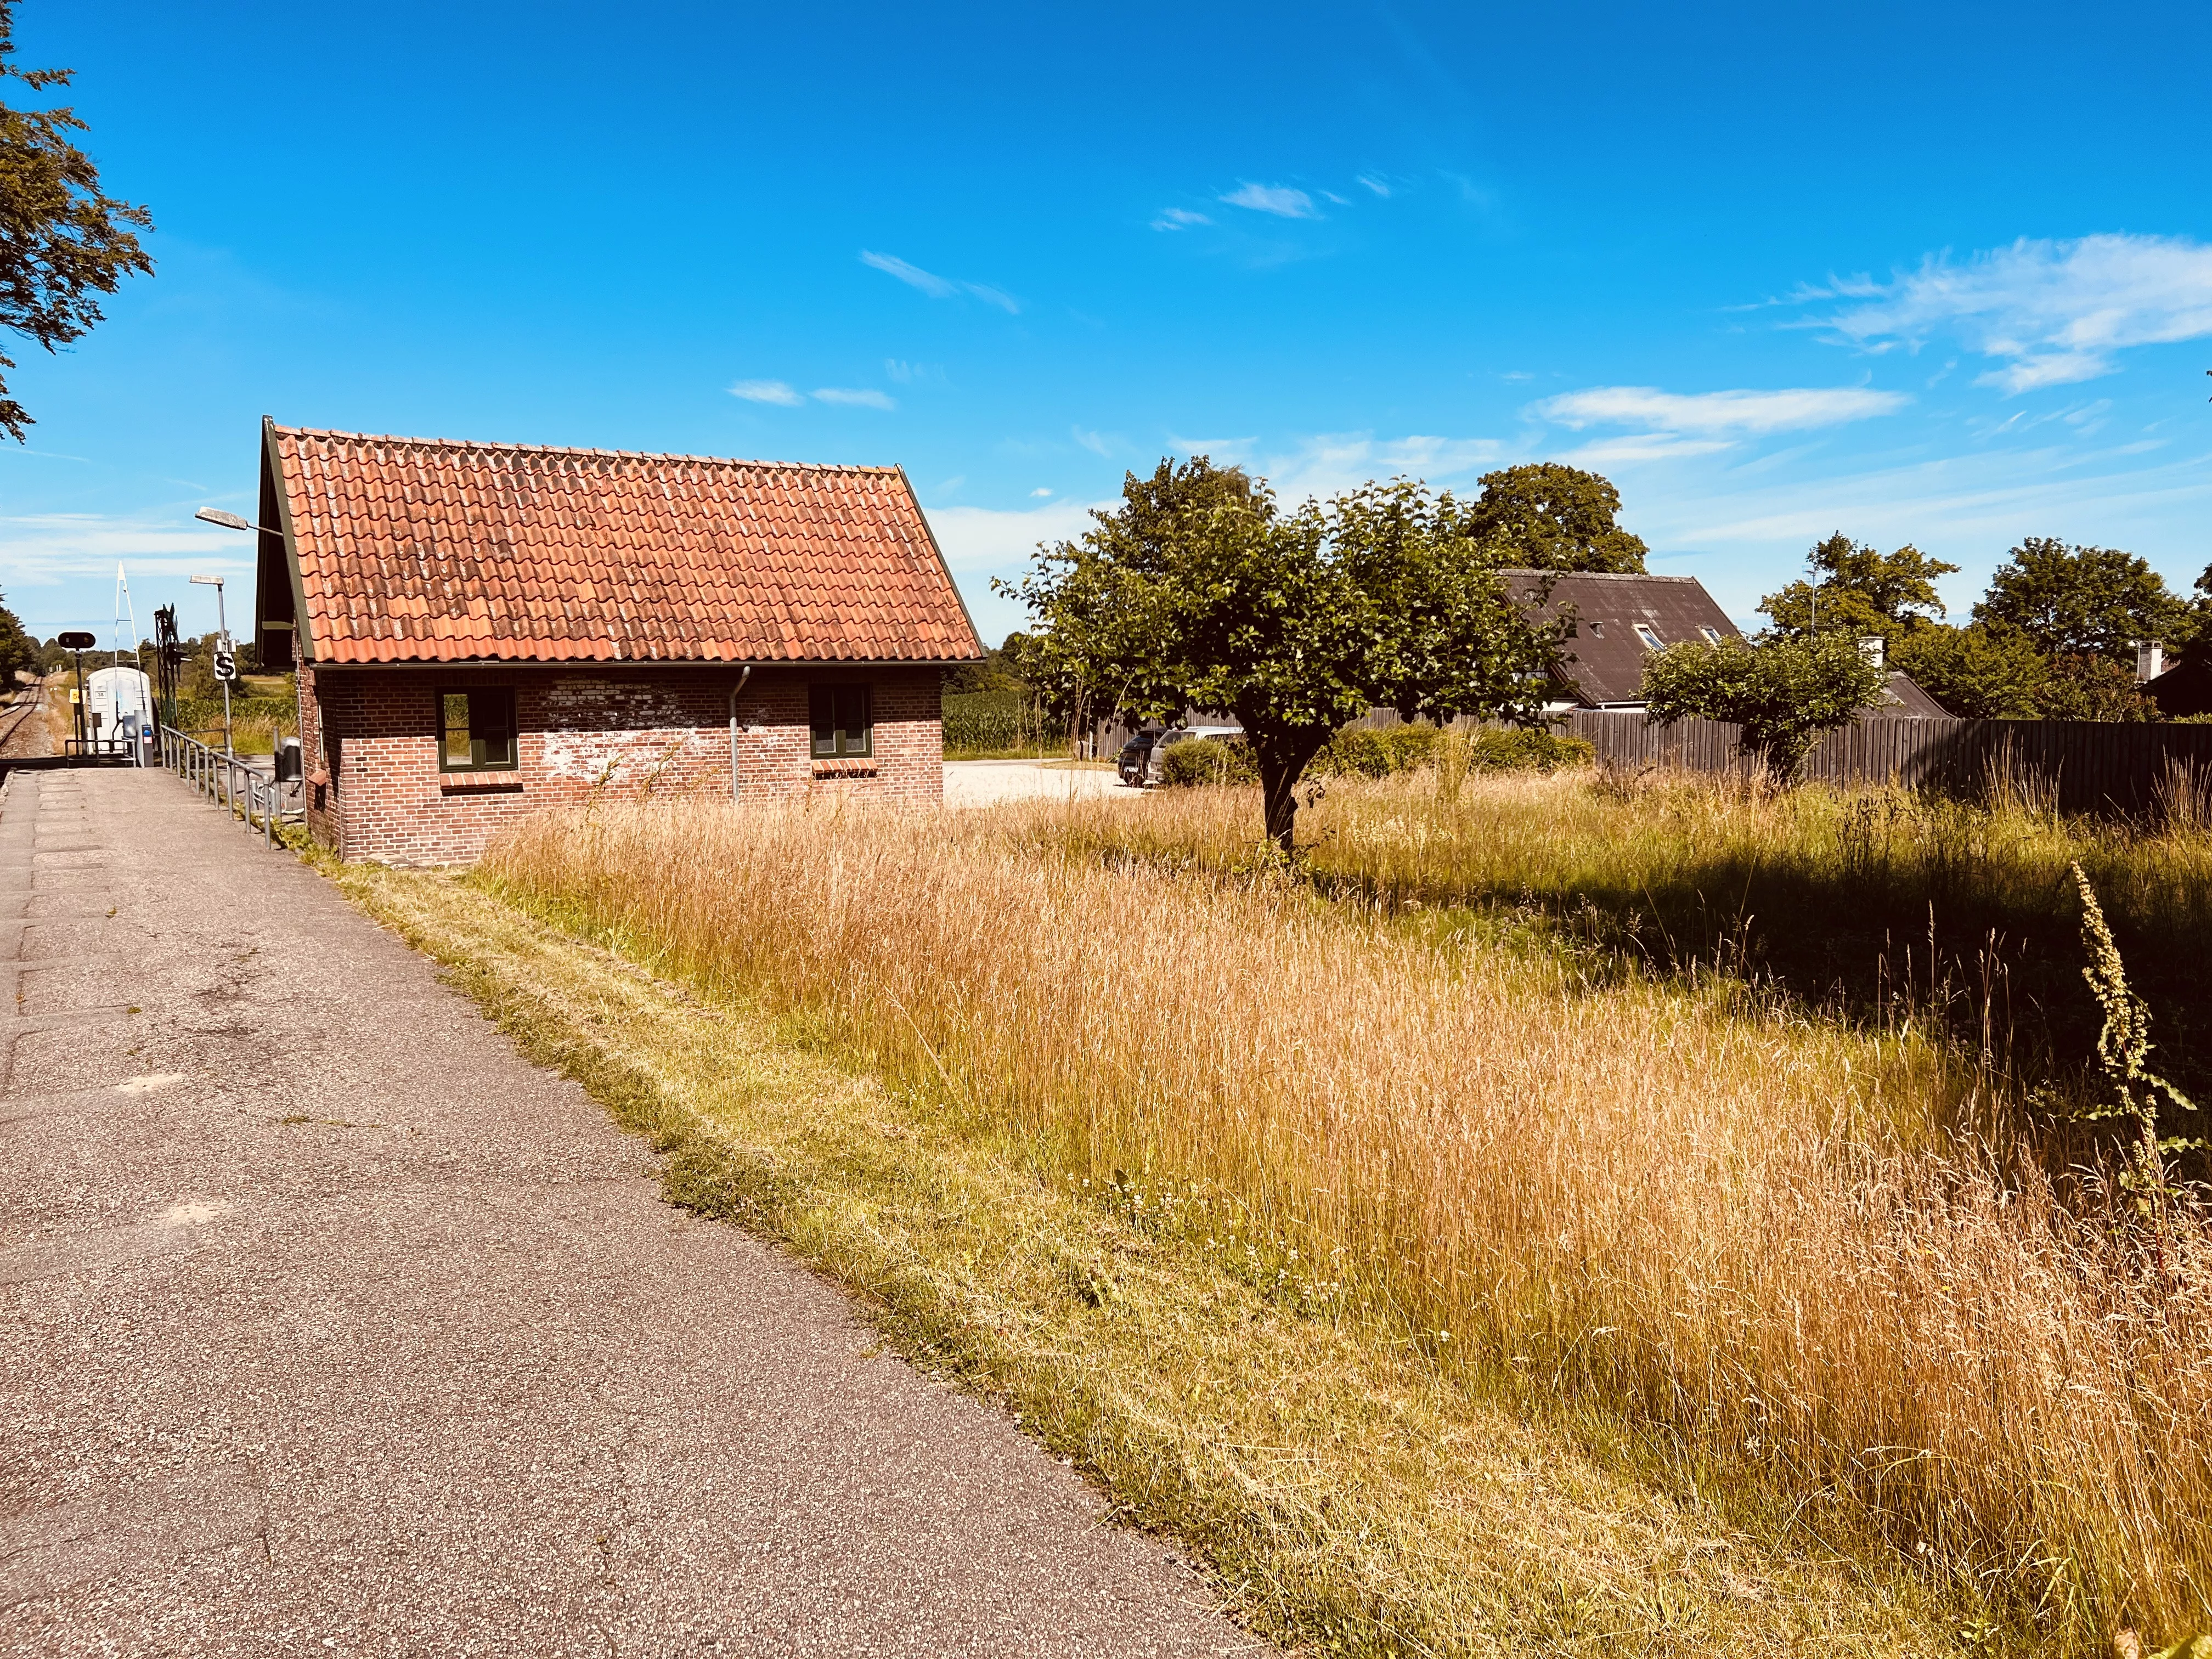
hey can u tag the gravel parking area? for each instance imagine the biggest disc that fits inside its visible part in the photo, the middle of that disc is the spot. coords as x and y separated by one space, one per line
988 783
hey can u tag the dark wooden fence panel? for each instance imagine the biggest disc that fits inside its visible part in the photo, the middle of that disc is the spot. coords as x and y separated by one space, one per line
2082 766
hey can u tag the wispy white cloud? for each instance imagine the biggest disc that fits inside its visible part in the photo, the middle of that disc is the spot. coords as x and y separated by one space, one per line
1179 219
989 540
1039 493
2051 312
937 287
1095 442
1718 413
1322 463
45 550
1326 463
1638 449
767 392
1375 183
1279 199
864 397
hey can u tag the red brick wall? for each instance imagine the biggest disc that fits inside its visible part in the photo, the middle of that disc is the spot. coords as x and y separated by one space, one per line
586 732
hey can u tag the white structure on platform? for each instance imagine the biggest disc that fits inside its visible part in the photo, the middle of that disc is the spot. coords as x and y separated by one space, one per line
118 703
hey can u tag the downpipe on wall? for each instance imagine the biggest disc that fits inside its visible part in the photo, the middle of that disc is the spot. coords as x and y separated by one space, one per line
744 674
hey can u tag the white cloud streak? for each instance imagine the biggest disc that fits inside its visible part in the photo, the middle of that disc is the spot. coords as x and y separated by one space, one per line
2052 312
767 392
937 287
1715 414
855 397
1278 199
1179 219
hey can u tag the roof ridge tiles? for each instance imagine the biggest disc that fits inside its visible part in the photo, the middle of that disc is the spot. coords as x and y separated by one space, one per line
484 445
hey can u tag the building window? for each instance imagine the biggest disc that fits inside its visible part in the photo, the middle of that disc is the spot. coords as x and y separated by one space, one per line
1712 636
476 730
1597 630
1646 633
844 726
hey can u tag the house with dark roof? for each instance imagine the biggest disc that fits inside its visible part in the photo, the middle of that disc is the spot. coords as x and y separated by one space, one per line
484 630
1616 620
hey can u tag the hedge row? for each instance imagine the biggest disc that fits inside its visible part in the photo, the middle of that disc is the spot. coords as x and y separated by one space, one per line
1364 752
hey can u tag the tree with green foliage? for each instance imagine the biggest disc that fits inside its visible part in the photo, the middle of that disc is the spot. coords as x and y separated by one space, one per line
1980 673
1786 694
2082 601
1199 592
18 650
61 241
1855 589
2093 689
1552 517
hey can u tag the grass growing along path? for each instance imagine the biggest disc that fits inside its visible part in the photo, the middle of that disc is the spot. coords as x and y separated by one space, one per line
1756 1240
1351 1494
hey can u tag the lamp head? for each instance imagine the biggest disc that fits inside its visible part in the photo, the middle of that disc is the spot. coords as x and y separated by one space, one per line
204 581
227 520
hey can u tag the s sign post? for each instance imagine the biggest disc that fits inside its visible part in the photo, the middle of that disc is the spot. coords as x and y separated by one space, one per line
226 655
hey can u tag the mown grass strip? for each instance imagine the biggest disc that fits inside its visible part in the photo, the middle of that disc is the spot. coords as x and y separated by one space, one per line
1347 1498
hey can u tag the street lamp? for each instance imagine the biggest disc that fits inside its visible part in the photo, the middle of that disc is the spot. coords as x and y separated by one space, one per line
222 637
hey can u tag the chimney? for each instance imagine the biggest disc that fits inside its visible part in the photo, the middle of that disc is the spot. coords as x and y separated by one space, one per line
1871 649
2150 660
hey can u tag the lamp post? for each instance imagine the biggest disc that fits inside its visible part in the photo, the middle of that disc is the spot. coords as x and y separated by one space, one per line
223 648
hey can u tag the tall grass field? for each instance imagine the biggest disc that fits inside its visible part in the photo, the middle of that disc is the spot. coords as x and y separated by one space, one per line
1468 1081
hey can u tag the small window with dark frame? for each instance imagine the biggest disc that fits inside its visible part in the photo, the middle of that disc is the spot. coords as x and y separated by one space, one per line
844 725
476 730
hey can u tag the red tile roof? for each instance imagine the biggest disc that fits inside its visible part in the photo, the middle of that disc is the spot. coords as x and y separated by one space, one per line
411 549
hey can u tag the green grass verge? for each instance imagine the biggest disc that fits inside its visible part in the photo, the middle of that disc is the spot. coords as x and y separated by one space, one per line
1347 1497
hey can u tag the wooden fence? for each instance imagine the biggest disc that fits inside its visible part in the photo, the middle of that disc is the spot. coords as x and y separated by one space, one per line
2080 766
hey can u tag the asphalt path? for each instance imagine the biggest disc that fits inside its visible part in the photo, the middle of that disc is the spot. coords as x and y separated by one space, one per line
328 1324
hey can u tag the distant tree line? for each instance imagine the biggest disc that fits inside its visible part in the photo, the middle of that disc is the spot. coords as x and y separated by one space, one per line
2054 636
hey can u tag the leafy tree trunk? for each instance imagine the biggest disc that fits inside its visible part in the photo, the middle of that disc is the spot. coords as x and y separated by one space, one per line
1282 757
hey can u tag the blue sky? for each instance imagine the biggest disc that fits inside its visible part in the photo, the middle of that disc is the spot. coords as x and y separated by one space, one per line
1936 273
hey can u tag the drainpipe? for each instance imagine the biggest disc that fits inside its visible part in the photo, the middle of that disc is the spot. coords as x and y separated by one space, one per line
744 674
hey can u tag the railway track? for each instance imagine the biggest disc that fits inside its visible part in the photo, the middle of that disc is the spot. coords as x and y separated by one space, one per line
26 704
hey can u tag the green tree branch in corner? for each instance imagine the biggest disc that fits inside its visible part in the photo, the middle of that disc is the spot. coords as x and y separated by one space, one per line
61 241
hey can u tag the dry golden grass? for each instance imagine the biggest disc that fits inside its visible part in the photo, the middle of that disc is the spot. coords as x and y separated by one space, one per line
1352 1495
1755 1236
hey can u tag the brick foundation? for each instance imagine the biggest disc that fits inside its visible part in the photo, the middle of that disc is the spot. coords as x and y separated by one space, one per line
586 732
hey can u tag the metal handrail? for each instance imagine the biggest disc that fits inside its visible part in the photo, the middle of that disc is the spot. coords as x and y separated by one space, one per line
219 777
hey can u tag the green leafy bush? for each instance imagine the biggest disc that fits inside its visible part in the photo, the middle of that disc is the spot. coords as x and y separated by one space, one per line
1369 753
1517 750
1365 751
1210 760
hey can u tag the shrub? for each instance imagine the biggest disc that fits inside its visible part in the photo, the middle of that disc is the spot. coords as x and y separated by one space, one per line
1369 753
1210 760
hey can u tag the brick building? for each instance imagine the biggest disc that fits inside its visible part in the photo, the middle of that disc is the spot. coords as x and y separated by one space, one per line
484 630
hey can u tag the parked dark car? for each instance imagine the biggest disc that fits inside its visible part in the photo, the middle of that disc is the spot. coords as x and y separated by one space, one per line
1135 760
1156 758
